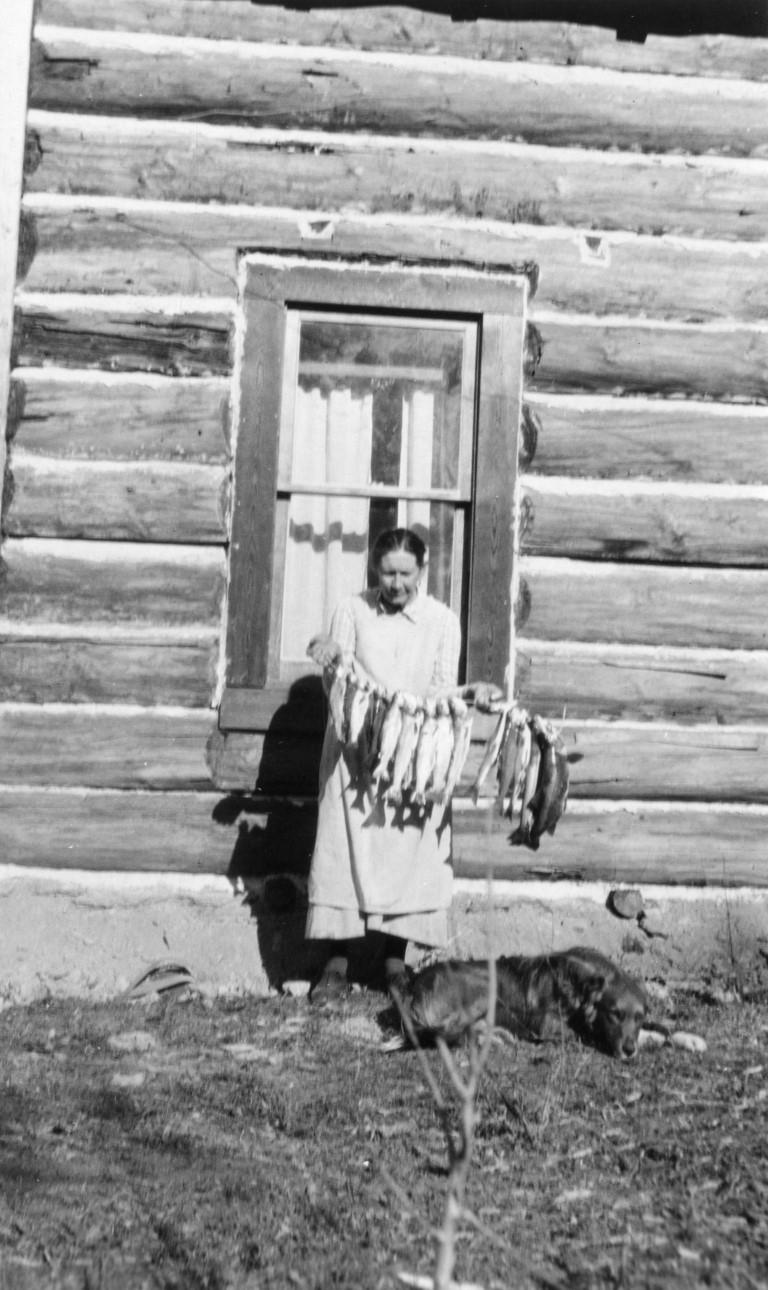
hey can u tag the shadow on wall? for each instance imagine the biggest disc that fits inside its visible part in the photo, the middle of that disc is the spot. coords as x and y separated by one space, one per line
276 825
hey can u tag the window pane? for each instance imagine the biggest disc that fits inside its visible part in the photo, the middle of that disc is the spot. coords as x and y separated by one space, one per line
408 376
445 553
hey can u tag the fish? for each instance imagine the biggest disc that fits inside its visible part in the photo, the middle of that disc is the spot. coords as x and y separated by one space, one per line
513 763
390 733
356 709
336 700
368 703
492 751
552 791
377 711
443 750
523 832
424 758
462 730
402 769
349 699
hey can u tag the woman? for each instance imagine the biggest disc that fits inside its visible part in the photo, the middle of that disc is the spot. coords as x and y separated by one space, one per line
379 871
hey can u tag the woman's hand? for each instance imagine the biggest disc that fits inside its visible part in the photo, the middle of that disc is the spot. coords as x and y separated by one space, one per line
485 696
324 650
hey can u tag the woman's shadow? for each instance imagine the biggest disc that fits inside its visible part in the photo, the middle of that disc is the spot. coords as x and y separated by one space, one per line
276 823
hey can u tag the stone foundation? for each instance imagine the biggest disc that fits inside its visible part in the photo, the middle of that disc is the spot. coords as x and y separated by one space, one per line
93 934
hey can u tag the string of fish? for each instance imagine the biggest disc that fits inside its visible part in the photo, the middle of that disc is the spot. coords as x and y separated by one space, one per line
532 773
414 747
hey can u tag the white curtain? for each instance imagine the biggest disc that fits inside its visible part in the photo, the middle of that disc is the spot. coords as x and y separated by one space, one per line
416 457
327 546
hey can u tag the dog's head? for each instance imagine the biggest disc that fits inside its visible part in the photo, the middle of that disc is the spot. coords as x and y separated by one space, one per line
620 1011
610 1006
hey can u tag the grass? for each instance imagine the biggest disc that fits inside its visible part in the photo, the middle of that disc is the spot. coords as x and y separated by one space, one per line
258 1145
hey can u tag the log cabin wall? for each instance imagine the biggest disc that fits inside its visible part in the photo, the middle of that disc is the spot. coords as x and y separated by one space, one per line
164 140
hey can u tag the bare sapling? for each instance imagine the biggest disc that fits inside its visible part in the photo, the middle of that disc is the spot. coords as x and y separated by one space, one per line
459 1138
460 1141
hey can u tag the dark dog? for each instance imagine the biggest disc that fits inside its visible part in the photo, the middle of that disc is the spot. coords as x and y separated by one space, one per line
535 996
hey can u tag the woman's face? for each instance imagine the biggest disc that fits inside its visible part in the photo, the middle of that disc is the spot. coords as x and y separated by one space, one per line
399 576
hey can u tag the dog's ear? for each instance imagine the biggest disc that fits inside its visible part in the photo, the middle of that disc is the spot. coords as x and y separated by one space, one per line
592 990
582 989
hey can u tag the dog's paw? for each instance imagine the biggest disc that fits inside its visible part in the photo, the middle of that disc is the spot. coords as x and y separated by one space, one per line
691 1043
393 1045
651 1039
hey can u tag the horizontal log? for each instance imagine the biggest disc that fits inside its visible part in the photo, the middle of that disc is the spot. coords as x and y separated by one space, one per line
121 418
600 437
110 582
87 668
181 832
617 354
98 245
122 336
124 501
152 831
656 684
98 830
103 748
643 761
314 171
700 764
624 842
714 360
141 74
607 520
401 28
135 246
642 604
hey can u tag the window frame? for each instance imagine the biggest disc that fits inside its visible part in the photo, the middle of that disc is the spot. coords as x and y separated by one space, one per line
273 287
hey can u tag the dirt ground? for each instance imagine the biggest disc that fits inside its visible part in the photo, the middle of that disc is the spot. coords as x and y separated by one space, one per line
261 1144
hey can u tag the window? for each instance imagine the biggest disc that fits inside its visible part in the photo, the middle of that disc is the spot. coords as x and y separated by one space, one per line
370 397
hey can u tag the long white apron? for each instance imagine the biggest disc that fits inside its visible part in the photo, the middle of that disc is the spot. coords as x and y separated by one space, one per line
372 857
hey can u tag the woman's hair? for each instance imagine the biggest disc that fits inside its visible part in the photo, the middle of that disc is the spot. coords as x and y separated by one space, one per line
398 540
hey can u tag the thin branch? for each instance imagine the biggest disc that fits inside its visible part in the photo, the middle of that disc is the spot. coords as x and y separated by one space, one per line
460 1140
462 1089
413 1038
460 1153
